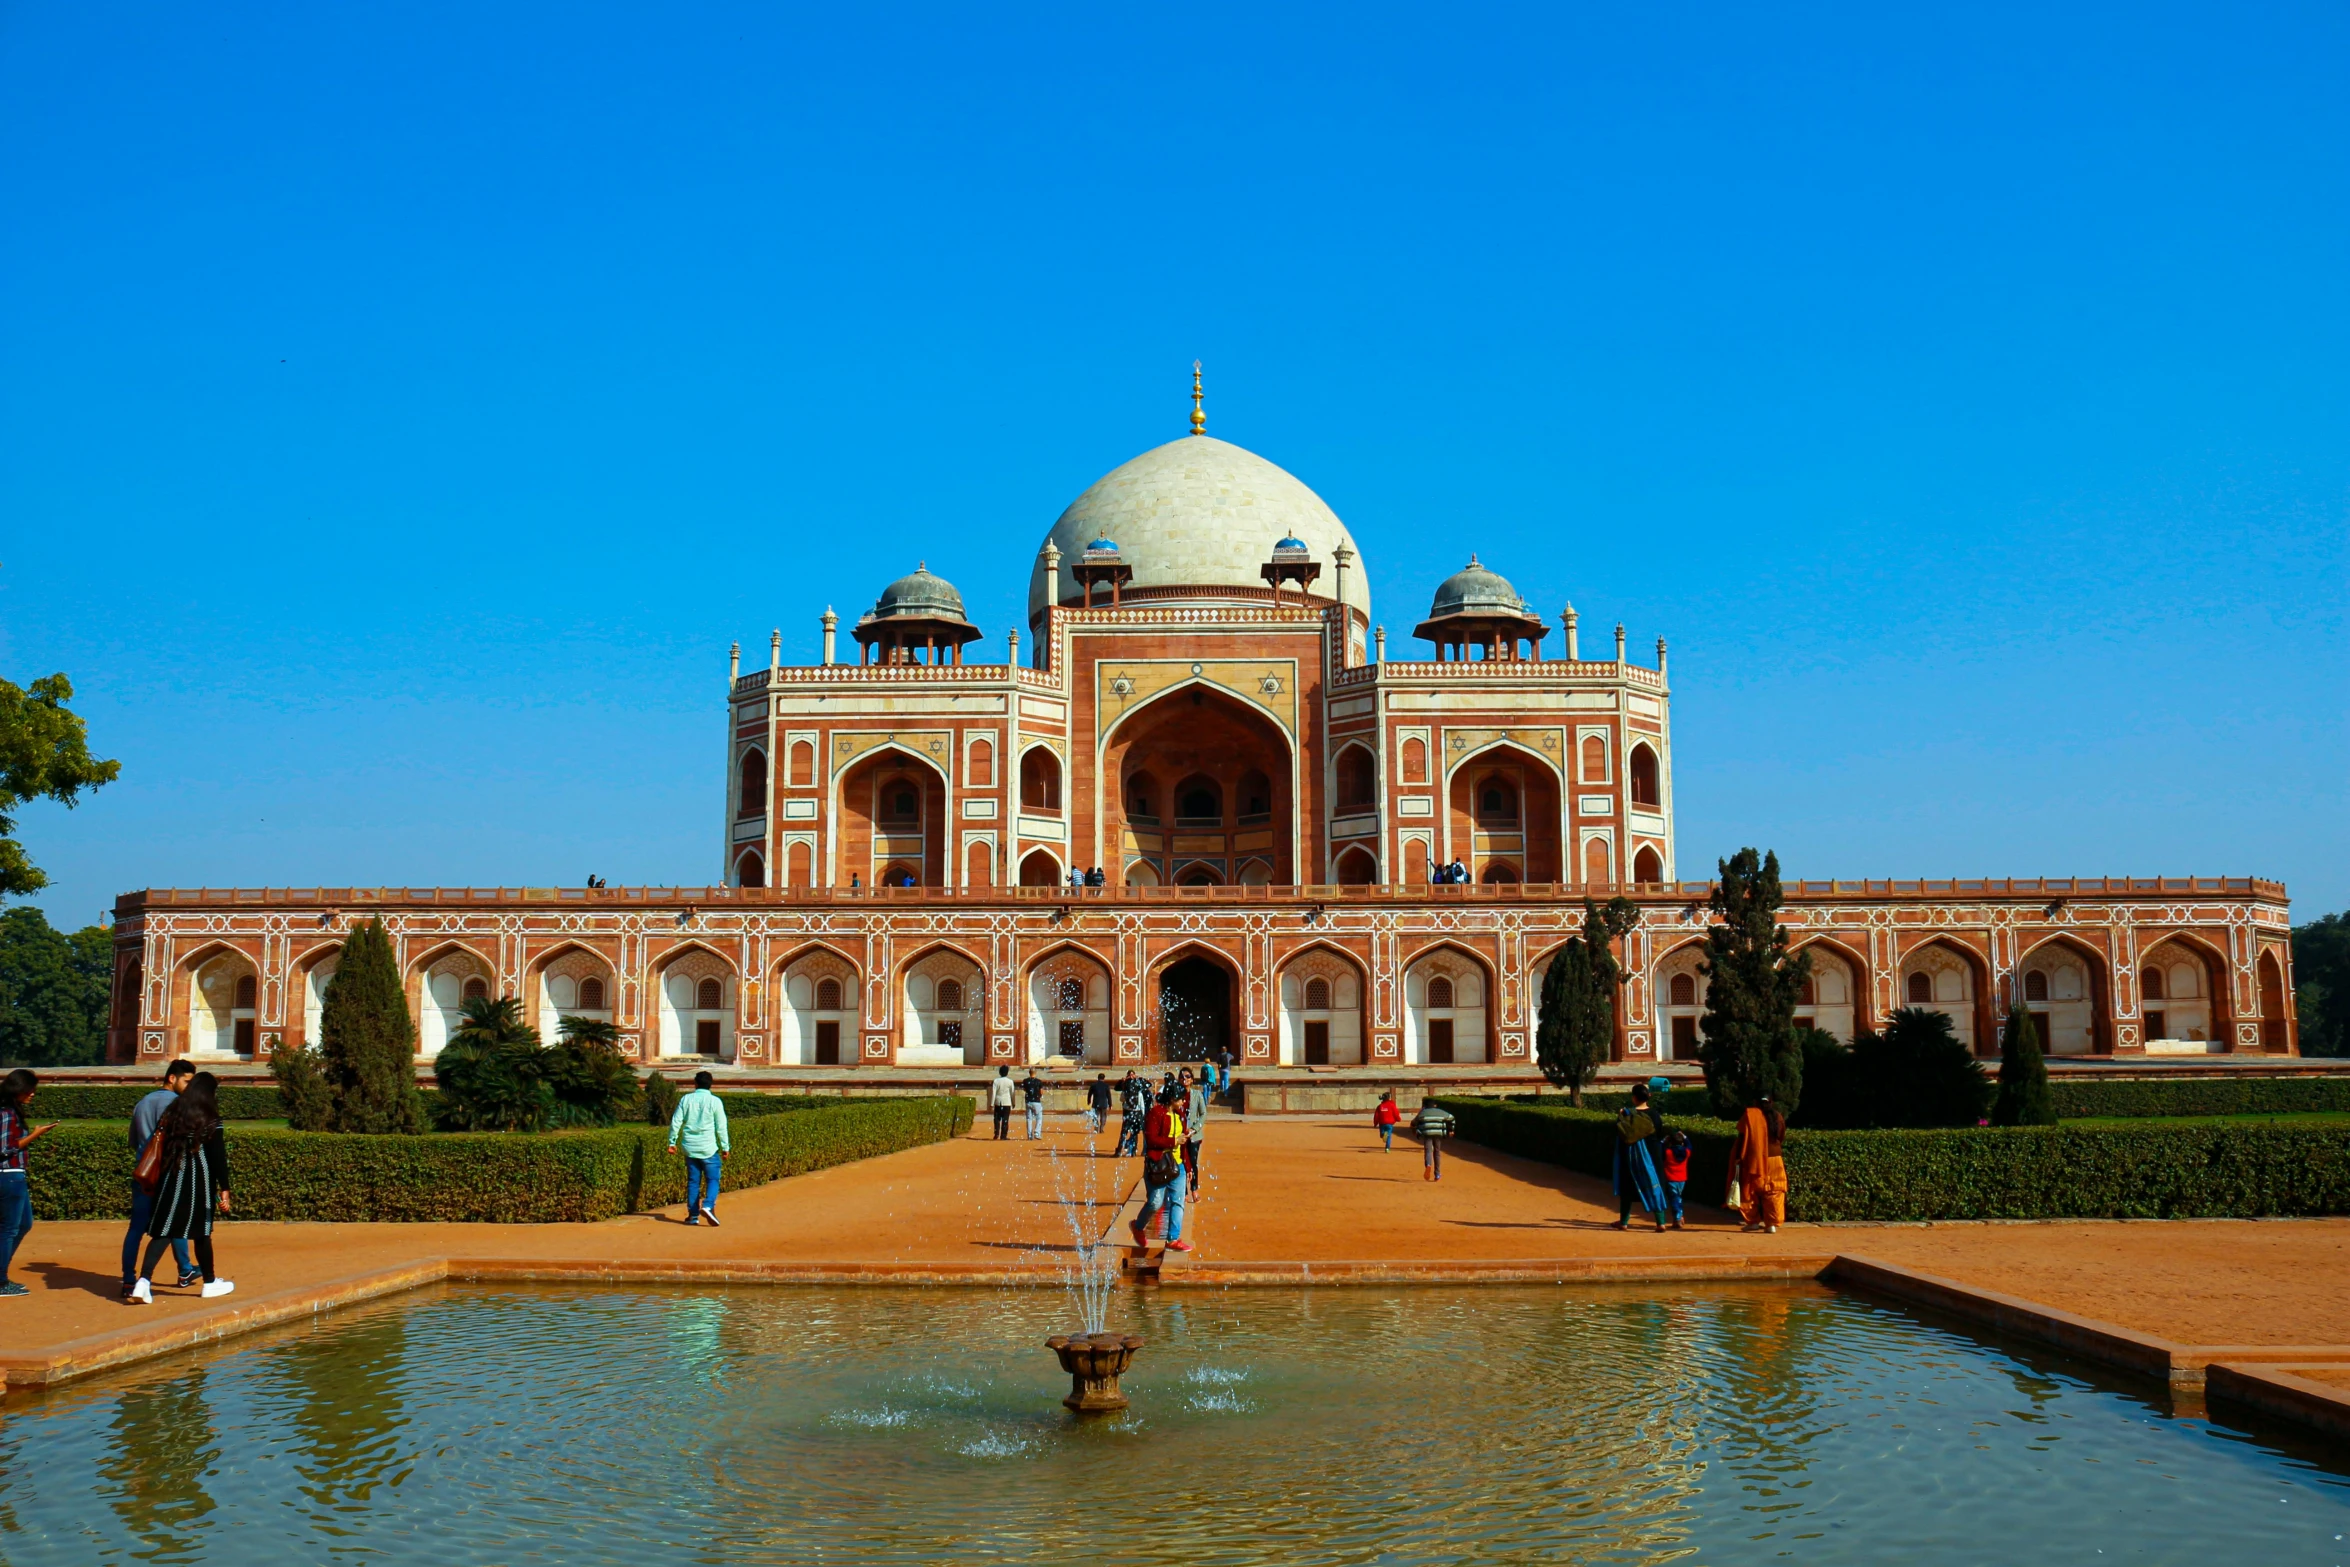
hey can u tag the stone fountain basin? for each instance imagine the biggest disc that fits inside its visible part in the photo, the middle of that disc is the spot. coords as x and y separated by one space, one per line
1094 1362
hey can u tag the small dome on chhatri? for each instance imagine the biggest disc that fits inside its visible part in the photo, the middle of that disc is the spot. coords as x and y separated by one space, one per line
1102 546
1291 548
920 594
1474 590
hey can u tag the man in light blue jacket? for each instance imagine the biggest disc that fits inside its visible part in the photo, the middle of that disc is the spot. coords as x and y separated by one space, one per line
699 1130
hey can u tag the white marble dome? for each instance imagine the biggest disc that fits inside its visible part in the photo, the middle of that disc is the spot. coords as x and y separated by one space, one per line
1199 513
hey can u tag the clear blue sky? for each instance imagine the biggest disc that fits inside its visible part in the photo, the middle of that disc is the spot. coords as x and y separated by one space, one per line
401 408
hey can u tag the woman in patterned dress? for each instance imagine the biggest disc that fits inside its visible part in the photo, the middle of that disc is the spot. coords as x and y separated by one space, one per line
193 1183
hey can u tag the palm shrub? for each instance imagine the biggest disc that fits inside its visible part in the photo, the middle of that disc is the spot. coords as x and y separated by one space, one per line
367 1045
1830 1081
496 1075
2023 1075
1916 1073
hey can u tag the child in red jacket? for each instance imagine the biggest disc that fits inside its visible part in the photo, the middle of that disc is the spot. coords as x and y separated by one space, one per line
1385 1117
1675 1168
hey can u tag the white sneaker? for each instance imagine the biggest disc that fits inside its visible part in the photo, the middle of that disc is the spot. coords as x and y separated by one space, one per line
142 1292
218 1288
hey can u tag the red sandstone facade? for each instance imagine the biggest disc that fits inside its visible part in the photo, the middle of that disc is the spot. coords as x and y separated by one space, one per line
1264 793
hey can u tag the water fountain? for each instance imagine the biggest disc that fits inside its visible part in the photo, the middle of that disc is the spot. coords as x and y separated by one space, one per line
1094 1362
1094 1357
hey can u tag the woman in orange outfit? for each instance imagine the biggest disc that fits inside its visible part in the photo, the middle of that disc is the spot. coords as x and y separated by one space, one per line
1759 1162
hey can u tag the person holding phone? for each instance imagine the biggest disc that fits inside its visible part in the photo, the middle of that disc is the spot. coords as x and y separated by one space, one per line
16 1190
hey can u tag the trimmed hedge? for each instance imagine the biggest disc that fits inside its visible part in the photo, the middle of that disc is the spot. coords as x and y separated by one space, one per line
2201 1170
238 1102
83 1172
105 1102
2074 1097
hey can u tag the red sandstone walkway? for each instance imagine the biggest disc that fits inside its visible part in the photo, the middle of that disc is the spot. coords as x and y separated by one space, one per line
1284 1190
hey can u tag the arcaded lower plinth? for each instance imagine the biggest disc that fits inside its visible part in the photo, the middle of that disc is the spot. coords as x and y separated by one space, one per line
1094 1362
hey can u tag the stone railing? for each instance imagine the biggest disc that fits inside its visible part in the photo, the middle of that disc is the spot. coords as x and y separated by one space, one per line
1498 669
717 898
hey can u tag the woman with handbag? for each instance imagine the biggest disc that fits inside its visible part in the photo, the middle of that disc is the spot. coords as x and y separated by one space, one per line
187 1162
1162 1169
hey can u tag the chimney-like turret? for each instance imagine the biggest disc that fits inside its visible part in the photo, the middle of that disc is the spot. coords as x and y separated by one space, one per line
1346 624
1660 658
1619 645
734 663
775 650
831 631
1567 620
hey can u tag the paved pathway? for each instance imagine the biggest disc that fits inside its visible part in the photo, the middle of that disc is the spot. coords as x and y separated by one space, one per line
1276 1190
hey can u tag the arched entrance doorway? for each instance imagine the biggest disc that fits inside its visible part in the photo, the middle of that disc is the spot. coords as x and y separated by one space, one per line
1195 1010
1196 786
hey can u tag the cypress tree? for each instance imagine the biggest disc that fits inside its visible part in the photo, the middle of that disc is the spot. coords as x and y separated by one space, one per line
1578 1019
368 1041
1747 1039
2023 1075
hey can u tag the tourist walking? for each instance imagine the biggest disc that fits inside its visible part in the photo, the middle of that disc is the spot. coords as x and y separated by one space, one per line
1758 1165
188 1162
999 1102
1134 1103
1162 1171
17 1133
698 1129
1434 1124
1195 1131
1673 1158
146 1116
1384 1116
1032 1090
1097 1100
1635 1164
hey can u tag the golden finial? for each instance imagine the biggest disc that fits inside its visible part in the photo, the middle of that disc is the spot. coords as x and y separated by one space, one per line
1199 418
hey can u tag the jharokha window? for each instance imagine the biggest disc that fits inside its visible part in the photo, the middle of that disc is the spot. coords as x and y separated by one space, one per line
1317 995
476 989
950 996
1072 995
591 995
1684 990
828 995
1921 987
1440 992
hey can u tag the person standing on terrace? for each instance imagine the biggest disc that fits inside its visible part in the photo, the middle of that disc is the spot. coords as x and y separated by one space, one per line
698 1129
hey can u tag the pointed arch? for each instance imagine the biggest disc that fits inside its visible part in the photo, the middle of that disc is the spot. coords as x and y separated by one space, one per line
313 971
1040 779
873 833
2076 1017
1041 868
1196 737
436 985
1193 1014
2274 999
751 784
1506 813
941 990
556 984
1355 866
819 998
687 1024
1322 992
1455 1030
1677 993
218 986
1068 992
2205 1012
1957 981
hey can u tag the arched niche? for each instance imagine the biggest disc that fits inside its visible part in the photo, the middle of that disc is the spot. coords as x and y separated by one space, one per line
1216 775
1322 991
1448 998
571 982
223 1004
817 1022
446 980
1505 815
1678 984
1068 996
697 1005
943 1010
2063 984
2183 998
1940 976
893 813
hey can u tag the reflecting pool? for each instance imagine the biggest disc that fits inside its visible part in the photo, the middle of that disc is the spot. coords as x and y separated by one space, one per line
1707 1424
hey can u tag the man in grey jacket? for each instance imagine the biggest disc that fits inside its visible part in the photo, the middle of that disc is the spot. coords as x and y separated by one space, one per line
146 1116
